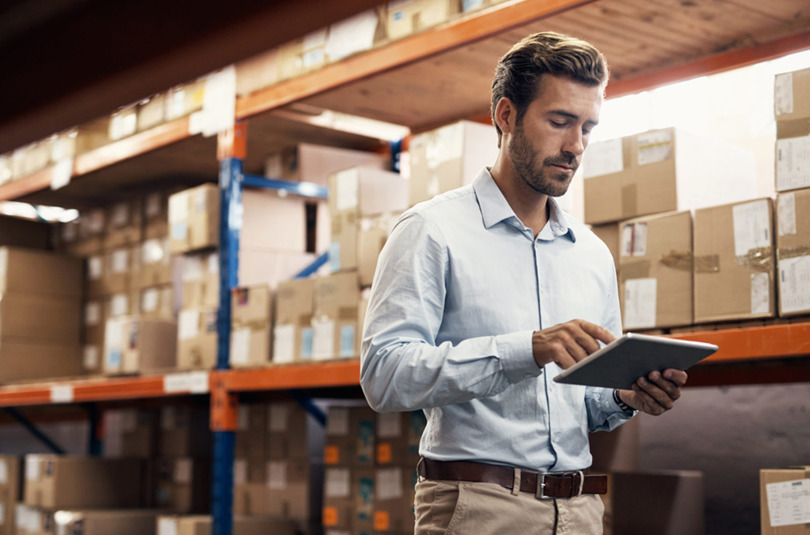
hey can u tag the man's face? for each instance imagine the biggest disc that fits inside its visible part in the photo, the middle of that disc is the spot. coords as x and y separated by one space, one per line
547 144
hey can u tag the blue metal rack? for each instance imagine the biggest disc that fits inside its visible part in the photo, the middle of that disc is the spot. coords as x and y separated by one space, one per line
231 181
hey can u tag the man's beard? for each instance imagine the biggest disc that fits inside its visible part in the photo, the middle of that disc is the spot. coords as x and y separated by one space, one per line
524 160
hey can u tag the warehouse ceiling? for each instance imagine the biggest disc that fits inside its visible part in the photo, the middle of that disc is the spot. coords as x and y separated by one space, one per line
63 62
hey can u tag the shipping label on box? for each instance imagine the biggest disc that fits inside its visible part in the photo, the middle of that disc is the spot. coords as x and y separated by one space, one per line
785 501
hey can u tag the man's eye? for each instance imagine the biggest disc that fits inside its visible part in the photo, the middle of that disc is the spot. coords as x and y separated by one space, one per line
557 124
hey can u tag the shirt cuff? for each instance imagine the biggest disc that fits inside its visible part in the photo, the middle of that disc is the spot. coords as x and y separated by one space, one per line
516 356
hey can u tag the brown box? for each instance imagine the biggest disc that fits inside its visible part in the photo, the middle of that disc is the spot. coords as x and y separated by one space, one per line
266 214
157 302
257 72
373 234
184 432
397 438
183 485
449 157
242 525
194 219
793 252
32 521
348 498
293 310
16 232
39 273
288 432
121 522
124 224
783 498
185 99
609 234
291 489
119 267
156 216
334 323
366 191
200 276
350 436
661 171
152 264
10 492
95 267
67 482
137 429
792 112
734 262
121 304
665 502
151 112
135 345
40 318
405 18
314 163
197 338
250 327
655 272
24 360
393 499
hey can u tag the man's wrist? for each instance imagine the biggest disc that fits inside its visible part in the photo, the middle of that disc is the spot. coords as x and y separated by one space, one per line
628 410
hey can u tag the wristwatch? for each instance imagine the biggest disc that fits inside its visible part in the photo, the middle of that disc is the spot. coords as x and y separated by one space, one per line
628 410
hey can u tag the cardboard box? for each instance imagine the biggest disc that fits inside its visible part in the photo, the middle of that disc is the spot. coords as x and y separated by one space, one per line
291 489
397 438
121 304
292 329
314 163
734 262
197 339
31 521
194 219
40 318
156 216
16 232
394 499
264 213
131 432
118 270
355 34
662 171
366 191
272 268
350 433
134 345
152 263
10 491
95 266
449 157
71 482
290 433
122 522
783 500
250 327
242 525
183 485
124 223
666 502
793 252
123 122
151 112
335 332
157 302
200 276
405 17
24 360
655 272
792 113
609 234
618 450
184 432
348 498
185 99
257 72
371 238
31 272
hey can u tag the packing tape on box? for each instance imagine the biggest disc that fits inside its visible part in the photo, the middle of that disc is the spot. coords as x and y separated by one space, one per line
709 263
253 325
640 269
680 260
759 259
784 253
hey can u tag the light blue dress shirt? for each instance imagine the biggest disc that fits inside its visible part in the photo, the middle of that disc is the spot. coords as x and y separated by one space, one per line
460 286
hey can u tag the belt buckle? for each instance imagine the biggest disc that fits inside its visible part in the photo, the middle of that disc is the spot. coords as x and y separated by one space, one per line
540 494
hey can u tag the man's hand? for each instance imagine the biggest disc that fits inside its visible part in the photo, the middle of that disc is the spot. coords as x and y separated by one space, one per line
568 343
656 393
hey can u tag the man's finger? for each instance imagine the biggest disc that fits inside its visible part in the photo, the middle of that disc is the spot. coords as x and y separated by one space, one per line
598 332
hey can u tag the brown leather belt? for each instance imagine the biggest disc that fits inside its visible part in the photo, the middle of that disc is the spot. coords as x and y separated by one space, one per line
542 485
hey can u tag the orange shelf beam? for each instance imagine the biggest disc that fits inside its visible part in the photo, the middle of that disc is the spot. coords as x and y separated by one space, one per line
101 389
711 65
402 52
752 343
316 375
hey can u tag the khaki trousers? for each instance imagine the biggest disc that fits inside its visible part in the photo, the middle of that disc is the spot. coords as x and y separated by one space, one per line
465 508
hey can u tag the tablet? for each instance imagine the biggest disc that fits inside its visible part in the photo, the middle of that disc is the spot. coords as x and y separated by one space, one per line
621 362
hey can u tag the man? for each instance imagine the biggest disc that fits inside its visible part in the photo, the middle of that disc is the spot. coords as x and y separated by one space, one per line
485 293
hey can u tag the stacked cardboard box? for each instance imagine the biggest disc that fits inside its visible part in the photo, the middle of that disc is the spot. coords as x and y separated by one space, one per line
356 195
661 171
10 492
792 113
242 525
123 522
793 252
655 283
734 262
335 323
783 500
197 320
407 17
40 301
349 479
292 327
449 157
250 327
278 470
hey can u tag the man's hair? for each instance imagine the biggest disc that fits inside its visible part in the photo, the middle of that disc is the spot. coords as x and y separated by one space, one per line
519 72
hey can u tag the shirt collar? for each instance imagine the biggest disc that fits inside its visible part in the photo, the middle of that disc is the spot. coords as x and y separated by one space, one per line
495 209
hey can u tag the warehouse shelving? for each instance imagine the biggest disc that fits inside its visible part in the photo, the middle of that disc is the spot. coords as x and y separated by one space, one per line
434 77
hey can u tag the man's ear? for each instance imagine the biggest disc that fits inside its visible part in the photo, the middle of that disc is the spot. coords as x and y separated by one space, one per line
505 115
